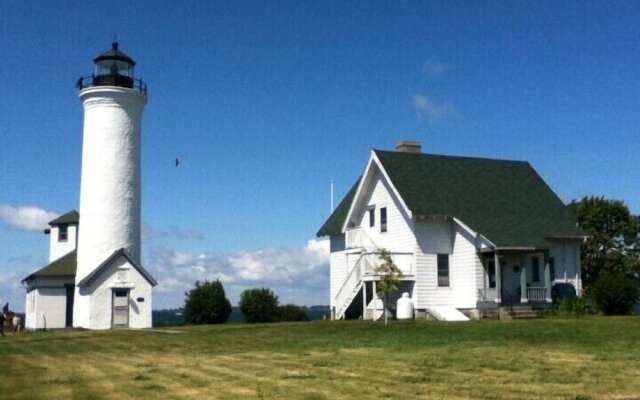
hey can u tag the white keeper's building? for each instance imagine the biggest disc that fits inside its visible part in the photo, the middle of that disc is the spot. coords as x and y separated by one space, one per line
94 278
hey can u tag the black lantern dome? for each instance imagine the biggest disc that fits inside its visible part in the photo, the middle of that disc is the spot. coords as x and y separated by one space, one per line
113 68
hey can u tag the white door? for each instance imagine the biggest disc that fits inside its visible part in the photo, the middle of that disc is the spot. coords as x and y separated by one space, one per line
120 307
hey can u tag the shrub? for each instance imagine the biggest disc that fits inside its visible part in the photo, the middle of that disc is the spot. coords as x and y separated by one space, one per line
292 312
615 294
259 305
206 303
573 306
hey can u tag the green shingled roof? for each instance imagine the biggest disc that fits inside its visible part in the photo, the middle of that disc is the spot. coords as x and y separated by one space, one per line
72 217
505 201
333 225
63 266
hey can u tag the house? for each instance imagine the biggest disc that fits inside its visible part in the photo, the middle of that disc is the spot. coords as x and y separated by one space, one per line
94 278
120 287
470 235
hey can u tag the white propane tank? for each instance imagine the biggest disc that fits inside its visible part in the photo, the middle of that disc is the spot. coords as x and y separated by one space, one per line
404 306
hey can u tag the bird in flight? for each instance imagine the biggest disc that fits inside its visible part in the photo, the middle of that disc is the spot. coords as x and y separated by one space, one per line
177 162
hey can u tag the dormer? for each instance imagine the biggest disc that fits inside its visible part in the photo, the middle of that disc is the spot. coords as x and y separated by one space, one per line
63 235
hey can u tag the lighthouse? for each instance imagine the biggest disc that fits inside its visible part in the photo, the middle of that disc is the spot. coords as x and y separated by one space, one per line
111 287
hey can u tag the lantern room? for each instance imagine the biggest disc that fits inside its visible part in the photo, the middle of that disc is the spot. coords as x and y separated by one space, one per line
114 68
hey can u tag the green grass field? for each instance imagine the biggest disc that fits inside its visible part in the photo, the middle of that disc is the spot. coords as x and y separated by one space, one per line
550 358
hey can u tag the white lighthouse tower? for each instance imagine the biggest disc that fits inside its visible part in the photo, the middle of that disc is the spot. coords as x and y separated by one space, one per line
112 288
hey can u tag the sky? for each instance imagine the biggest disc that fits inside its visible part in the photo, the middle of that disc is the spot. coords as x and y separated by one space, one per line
265 103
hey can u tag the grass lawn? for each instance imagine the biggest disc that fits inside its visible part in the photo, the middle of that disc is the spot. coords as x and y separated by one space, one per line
550 358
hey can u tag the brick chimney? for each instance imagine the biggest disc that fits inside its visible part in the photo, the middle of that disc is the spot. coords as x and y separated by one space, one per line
408 146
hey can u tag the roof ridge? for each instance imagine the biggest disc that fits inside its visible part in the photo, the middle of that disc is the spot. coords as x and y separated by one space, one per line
453 156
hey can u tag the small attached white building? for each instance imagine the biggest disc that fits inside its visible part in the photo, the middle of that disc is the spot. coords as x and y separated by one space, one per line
49 301
470 235
119 290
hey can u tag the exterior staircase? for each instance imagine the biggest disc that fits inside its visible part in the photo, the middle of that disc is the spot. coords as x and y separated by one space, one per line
356 239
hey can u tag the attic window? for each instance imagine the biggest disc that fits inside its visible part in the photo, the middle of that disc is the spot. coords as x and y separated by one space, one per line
383 219
63 233
372 217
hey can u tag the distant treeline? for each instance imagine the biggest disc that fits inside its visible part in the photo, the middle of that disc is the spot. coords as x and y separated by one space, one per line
175 316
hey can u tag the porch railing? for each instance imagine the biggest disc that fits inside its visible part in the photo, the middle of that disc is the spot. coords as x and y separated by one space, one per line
536 293
404 262
362 264
358 238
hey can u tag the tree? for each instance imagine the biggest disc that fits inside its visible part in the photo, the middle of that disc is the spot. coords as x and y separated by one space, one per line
613 245
206 303
259 305
389 281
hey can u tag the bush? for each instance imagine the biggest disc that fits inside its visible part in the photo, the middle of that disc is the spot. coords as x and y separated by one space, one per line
259 305
292 312
615 294
573 306
207 304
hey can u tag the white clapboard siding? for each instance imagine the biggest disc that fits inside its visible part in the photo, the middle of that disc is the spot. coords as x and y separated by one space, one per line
466 269
376 194
466 276
338 266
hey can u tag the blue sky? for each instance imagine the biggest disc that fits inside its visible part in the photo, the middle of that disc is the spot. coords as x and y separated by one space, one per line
265 103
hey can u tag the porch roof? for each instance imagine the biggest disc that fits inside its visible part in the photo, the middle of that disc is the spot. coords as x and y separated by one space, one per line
63 266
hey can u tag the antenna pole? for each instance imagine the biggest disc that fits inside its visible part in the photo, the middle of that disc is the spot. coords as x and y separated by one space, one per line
331 210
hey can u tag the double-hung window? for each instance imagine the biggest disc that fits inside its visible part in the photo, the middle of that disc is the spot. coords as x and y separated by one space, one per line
383 219
443 270
492 273
63 233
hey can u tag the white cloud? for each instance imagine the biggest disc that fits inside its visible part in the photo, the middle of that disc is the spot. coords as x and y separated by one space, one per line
434 111
298 275
26 218
434 69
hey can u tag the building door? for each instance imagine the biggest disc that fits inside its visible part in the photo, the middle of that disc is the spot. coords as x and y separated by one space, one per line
510 283
71 289
120 315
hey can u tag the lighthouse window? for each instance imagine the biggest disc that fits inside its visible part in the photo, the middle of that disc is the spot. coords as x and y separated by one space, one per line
111 67
63 233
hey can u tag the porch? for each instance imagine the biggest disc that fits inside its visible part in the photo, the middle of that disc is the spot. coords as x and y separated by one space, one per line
359 286
518 276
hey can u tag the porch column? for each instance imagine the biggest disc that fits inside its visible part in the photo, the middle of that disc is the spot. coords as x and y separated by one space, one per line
523 284
375 300
547 278
364 299
496 263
